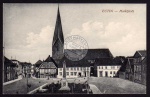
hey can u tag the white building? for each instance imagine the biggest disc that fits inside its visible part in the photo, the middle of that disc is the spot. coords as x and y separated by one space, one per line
106 67
73 72
74 69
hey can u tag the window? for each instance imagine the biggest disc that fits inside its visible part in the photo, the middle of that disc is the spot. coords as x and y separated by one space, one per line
99 67
114 72
75 68
105 67
67 68
71 68
102 67
81 68
71 73
67 73
60 73
75 73
110 72
60 69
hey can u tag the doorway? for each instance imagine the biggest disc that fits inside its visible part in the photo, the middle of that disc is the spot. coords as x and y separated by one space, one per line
79 74
106 73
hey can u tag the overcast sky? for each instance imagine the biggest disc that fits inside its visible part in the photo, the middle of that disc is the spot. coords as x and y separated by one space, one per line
28 28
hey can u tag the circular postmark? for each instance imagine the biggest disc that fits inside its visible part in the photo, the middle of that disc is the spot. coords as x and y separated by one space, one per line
75 48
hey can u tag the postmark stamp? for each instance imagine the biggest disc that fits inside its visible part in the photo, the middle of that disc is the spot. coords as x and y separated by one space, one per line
75 47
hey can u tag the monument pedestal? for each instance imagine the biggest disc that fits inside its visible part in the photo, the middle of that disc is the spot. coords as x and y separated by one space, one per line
64 85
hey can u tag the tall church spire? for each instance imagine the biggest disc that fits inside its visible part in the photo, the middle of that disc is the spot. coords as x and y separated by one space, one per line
58 33
58 38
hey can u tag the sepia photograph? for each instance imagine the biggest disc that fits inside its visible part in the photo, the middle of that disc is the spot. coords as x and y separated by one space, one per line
74 48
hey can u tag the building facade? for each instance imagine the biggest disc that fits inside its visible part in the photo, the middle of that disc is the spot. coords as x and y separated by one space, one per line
139 66
48 68
106 67
144 71
129 73
19 66
10 72
26 68
74 72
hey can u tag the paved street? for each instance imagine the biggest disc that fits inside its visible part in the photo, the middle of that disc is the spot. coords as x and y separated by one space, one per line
117 86
100 85
21 86
94 89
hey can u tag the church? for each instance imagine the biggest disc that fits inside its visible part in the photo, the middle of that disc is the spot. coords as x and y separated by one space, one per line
87 66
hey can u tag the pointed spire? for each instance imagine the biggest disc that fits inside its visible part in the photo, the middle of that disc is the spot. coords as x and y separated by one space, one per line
58 33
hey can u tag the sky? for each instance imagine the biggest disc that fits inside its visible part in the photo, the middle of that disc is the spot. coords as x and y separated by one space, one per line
28 28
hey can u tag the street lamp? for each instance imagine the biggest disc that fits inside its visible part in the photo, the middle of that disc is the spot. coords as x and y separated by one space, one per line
28 85
27 77
87 80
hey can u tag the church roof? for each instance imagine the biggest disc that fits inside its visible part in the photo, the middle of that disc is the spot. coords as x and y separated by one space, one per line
58 33
93 53
70 63
104 62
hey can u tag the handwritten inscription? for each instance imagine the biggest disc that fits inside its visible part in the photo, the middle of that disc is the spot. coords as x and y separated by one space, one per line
117 11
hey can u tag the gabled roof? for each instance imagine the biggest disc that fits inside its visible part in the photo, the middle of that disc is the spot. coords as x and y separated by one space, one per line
123 67
140 53
119 60
144 61
49 59
25 64
14 60
38 63
8 62
104 62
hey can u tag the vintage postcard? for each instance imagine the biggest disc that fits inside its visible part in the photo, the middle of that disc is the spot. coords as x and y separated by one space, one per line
51 48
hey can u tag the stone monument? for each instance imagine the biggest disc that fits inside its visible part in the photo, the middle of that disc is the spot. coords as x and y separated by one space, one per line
64 82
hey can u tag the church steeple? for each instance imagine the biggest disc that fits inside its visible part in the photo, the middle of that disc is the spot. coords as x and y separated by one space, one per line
58 33
58 38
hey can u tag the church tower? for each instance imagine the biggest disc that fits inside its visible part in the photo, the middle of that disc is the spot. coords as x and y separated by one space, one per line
58 39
